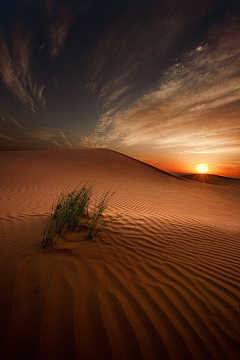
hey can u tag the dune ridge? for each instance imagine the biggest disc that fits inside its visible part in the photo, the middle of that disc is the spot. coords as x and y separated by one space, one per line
161 282
212 179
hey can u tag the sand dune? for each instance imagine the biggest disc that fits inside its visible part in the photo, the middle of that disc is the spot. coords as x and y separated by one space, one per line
161 282
212 179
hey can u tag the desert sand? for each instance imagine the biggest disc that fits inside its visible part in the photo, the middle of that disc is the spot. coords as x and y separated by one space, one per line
160 282
212 179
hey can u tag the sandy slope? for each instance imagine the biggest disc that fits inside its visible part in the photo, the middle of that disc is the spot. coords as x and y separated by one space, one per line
161 282
212 179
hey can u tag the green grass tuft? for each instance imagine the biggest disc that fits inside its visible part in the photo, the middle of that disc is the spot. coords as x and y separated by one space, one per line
70 210
94 224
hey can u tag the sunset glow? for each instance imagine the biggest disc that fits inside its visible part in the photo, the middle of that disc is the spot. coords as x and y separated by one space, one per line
202 168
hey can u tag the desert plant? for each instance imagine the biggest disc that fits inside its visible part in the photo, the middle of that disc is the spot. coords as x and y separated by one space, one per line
68 212
71 208
49 232
94 224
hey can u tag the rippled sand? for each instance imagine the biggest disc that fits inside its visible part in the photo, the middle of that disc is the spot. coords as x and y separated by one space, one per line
161 282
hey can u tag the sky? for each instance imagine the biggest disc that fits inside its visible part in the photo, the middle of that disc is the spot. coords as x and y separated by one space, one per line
158 80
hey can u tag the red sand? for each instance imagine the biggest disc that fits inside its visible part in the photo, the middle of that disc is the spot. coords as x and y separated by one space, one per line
161 282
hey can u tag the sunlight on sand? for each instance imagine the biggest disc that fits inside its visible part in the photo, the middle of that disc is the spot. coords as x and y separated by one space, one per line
160 282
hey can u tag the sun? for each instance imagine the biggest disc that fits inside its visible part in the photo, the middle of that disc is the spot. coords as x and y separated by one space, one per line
202 168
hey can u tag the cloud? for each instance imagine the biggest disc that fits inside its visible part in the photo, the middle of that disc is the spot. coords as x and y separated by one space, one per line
93 141
60 18
40 135
17 57
8 138
15 70
115 95
65 139
7 118
136 46
49 135
122 51
220 150
194 105
54 142
59 29
222 141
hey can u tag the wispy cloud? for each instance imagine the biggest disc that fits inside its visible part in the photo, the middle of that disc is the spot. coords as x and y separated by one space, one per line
8 138
41 135
54 142
60 18
49 135
17 55
59 26
15 70
193 108
7 118
129 51
65 139
123 50
93 141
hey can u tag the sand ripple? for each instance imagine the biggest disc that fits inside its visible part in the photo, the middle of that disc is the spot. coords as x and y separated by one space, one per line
161 282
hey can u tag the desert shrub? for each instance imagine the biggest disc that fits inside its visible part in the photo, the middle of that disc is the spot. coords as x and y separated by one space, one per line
94 224
71 210
49 232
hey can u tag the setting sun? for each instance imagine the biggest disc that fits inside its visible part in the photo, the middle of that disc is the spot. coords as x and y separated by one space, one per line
202 168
